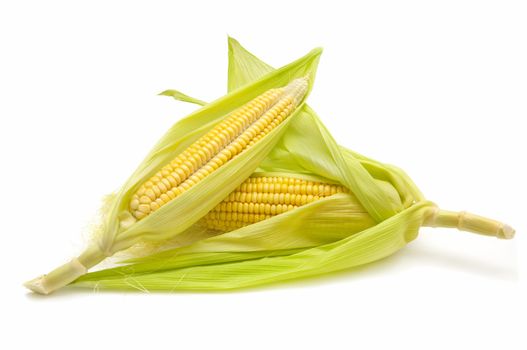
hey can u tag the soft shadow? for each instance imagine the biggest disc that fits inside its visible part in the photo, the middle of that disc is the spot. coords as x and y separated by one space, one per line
402 259
60 294
460 262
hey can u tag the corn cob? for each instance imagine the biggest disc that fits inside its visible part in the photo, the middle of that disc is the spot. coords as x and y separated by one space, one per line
241 129
262 197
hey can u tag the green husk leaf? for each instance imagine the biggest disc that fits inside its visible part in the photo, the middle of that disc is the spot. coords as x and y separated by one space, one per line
163 262
369 245
244 67
177 95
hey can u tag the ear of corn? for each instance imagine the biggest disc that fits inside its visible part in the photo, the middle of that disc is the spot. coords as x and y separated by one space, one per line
282 246
194 166
206 187
241 129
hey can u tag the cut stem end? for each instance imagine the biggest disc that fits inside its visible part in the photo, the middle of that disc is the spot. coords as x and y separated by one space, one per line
465 221
67 273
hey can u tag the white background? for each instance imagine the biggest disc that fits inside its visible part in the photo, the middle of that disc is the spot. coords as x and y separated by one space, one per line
438 88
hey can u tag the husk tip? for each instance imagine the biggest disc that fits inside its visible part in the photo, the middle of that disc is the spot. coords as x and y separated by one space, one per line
317 50
164 93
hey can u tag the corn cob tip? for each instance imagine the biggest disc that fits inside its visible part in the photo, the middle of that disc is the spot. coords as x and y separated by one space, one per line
297 89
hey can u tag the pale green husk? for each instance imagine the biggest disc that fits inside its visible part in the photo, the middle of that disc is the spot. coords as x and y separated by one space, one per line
331 234
228 270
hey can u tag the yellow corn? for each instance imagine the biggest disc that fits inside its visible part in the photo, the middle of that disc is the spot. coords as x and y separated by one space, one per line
239 130
260 198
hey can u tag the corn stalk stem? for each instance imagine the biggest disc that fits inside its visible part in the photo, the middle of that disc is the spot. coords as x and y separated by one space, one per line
67 273
465 221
